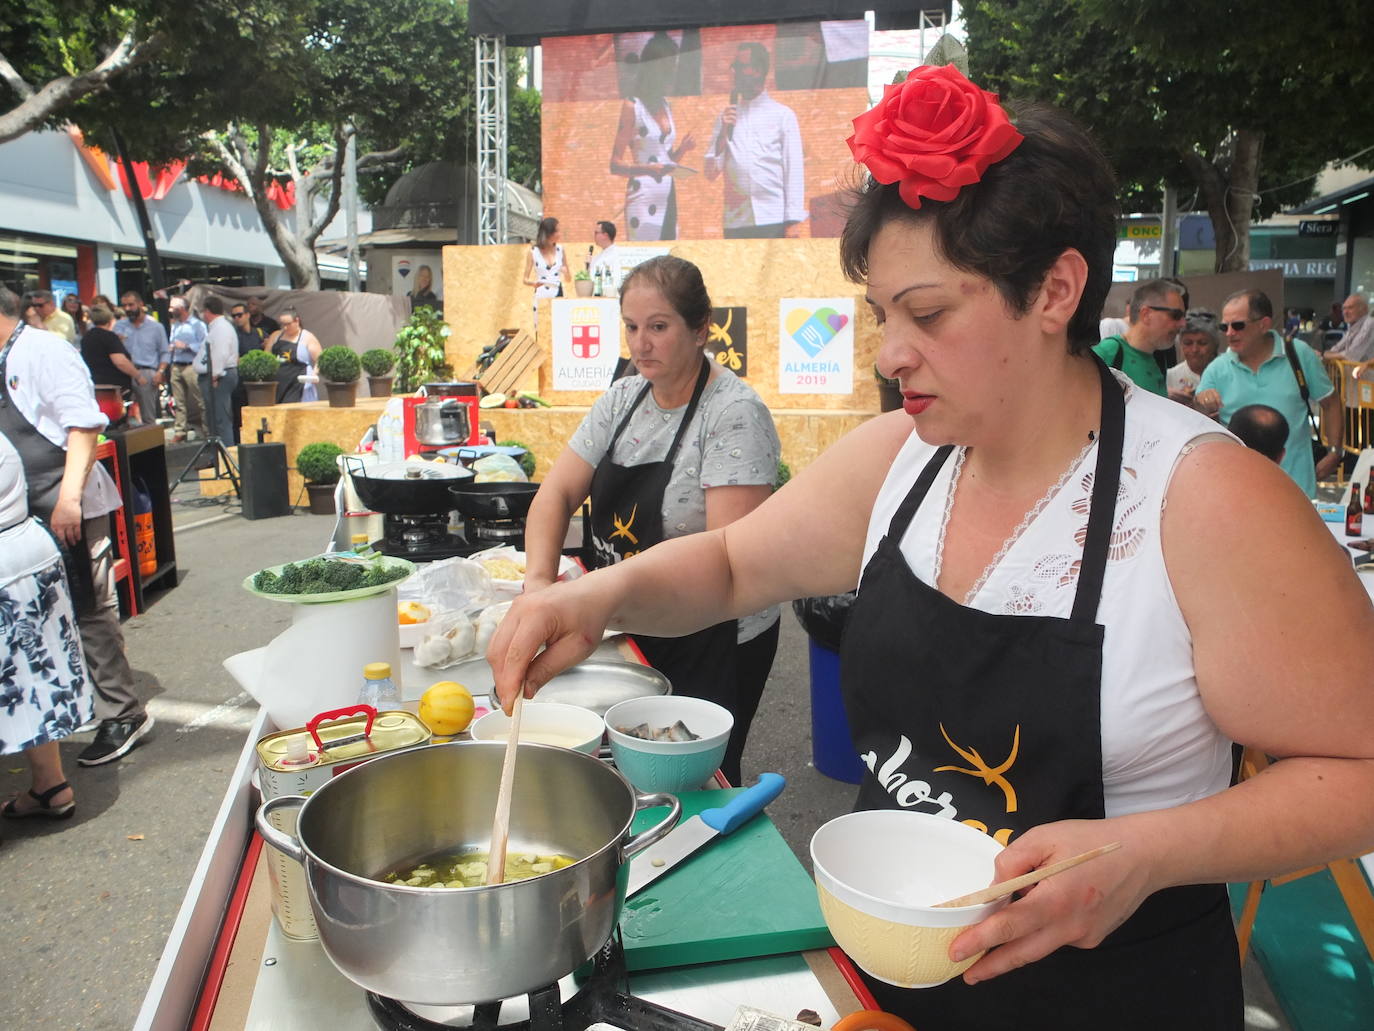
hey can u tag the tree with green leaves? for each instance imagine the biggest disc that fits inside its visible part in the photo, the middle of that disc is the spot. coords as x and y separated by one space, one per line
1240 105
265 90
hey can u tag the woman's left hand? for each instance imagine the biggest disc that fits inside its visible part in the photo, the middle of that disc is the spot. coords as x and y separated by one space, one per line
1078 907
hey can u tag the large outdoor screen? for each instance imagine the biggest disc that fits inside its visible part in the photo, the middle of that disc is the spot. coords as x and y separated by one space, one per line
702 133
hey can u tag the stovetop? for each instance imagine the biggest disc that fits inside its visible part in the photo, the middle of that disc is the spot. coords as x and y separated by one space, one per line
603 999
298 989
428 538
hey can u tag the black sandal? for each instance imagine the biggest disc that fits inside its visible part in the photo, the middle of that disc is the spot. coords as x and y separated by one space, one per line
43 808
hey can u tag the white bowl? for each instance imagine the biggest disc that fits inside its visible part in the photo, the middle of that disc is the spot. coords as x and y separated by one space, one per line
880 874
549 723
411 634
669 766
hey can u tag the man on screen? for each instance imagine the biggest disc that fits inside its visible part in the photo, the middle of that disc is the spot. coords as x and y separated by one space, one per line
757 144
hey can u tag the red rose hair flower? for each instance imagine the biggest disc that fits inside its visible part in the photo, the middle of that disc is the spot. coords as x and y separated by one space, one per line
934 134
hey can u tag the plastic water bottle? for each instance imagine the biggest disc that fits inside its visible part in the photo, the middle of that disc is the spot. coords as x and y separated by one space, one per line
379 690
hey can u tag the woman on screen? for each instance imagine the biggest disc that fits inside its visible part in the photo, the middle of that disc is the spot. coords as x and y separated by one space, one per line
646 146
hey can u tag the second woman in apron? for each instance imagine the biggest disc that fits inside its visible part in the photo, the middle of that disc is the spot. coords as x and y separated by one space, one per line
682 447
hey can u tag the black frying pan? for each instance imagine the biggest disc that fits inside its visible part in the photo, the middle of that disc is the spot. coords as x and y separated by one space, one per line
493 500
424 496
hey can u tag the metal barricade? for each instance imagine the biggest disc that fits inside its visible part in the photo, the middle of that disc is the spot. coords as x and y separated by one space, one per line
1356 396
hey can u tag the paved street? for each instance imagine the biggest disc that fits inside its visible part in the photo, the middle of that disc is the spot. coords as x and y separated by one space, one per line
88 903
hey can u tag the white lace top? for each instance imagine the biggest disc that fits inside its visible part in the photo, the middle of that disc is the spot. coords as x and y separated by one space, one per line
1159 747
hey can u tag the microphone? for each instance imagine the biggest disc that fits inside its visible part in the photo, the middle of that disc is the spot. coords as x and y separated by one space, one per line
734 102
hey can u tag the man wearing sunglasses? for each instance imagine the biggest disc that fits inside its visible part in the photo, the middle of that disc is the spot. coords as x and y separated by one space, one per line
1260 368
1154 317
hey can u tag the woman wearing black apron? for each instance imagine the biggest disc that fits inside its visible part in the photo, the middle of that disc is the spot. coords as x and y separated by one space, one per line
1046 643
293 344
685 437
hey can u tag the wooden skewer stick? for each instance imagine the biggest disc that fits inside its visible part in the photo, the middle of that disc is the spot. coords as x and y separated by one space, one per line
996 891
500 828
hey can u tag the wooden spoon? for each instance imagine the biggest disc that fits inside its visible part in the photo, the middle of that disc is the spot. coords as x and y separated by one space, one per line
500 828
996 891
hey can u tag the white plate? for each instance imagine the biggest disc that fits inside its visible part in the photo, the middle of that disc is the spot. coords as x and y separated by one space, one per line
567 568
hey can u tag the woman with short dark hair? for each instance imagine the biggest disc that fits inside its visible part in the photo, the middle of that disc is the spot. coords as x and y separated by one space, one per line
1043 645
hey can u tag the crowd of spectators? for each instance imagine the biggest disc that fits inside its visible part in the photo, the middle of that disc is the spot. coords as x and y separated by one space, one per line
1244 366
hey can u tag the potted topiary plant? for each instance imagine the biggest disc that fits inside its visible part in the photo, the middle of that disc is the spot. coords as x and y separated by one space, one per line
258 371
582 283
378 364
318 463
339 369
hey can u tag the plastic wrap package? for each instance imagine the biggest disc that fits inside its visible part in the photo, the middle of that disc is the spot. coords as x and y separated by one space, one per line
498 469
450 585
459 636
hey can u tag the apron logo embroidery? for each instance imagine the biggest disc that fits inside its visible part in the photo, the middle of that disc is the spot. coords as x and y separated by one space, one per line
908 793
622 528
988 774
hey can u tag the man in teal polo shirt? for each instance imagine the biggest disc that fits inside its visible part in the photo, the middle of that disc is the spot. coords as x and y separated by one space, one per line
1154 316
1257 370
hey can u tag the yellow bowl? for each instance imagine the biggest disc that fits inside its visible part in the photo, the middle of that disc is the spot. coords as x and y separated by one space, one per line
879 875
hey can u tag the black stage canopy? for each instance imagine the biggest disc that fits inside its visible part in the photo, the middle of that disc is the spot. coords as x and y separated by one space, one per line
524 22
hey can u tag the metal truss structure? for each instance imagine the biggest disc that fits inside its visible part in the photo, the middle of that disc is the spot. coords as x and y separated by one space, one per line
491 139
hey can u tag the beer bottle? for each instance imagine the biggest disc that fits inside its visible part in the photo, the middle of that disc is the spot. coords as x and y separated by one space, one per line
1354 512
1369 495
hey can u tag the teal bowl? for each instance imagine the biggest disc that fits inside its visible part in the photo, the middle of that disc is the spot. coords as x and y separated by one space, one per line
670 766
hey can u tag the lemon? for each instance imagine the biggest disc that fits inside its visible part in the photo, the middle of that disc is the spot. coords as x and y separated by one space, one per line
411 612
446 708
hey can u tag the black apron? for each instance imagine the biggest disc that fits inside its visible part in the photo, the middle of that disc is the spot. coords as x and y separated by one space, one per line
289 386
44 465
997 723
627 517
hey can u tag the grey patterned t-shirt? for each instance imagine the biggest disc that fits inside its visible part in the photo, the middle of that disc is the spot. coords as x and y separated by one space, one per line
730 442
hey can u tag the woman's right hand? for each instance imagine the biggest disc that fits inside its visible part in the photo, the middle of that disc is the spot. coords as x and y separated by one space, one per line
566 620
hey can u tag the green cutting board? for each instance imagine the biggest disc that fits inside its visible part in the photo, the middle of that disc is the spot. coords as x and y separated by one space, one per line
739 896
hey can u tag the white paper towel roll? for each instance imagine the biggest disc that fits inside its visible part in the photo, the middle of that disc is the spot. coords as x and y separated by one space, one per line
317 664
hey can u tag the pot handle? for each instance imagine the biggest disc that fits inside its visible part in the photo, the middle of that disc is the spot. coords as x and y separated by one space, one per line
280 840
644 839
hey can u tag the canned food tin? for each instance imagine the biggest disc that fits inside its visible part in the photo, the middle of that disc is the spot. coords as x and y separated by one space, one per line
297 762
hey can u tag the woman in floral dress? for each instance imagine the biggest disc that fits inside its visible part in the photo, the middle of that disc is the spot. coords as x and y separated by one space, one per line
44 693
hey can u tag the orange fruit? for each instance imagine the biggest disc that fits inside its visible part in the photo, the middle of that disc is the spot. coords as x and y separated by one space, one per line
410 612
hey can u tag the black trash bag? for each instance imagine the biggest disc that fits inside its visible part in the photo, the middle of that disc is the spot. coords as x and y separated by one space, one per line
824 618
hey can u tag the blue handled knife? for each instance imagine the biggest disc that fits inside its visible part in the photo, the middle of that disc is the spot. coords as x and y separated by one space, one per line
691 834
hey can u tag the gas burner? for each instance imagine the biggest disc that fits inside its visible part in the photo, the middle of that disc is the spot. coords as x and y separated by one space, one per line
603 999
420 538
498 531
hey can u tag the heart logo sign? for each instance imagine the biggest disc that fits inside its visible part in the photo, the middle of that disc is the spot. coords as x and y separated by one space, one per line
813 330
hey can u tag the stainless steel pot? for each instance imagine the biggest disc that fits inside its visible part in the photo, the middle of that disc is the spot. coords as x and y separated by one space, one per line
442 946
442 422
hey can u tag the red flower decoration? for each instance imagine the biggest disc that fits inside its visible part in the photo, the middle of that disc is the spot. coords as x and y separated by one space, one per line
934 134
